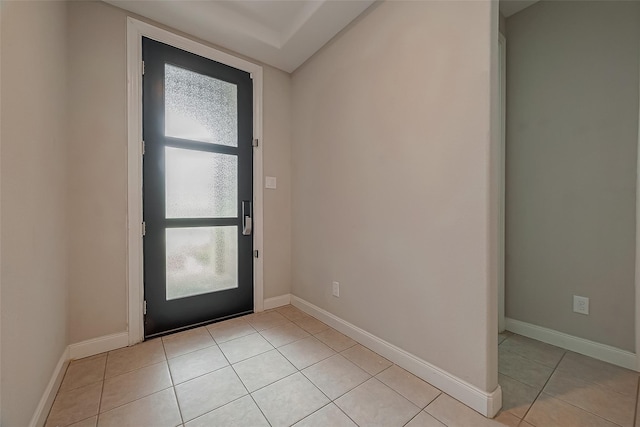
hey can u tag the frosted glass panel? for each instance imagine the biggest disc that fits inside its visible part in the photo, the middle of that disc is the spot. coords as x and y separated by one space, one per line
199 107
201 260
199 184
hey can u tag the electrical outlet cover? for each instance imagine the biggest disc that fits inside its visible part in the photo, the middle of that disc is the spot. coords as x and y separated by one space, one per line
580 304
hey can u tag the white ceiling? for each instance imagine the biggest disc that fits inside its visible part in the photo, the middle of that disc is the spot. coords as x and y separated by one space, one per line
510 7
281 33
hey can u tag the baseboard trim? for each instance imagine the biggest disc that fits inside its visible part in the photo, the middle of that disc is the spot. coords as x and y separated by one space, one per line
98 345
603 352
485 403
49 395
278 301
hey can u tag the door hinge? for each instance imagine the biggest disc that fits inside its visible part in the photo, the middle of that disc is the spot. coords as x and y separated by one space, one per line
256 254
143 68
143 147
255 142
144 307
144 228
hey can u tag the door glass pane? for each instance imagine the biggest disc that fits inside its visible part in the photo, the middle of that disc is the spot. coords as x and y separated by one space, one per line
201 260
199 107
199 184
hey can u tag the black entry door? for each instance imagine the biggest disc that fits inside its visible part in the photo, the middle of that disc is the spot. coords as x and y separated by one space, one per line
198 189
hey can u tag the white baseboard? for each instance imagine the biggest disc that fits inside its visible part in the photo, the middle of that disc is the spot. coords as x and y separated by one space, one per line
485 403
49 395
604 352
98 345
275 302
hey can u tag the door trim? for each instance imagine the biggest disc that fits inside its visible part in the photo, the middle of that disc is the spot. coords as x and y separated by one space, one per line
637 258
502 52
135 283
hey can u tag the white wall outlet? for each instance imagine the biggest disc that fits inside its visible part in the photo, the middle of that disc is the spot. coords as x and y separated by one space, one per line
581 304
336 289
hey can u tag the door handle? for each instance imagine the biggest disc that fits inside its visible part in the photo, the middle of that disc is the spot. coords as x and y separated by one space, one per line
247 218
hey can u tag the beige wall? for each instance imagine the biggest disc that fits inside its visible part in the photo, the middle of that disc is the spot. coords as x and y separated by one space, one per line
572 132
34 231
97 170
98 173
277 162
391 125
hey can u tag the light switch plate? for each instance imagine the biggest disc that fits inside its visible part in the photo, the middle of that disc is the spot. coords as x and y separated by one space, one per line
270 182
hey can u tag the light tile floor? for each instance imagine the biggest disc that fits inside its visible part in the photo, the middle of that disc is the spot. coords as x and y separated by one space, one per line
548 386
283 368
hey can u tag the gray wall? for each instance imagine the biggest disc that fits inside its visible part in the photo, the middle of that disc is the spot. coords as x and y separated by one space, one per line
34 202
572 132
391 197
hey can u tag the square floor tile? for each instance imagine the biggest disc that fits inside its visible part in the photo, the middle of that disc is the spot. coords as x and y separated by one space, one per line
289 400
522 369
306 352
599 372
292 313
239 413
245 347
424 420
334 339
310 324
84 372
157 410
507 419
208 392
89 422
230 330
550 412
375 404
537 351
610 405
194 364
267 320
450 412
335 376
366 359
263 369
134 385
135 357
284 334
517 397
75 405
417 391
187 341
329 415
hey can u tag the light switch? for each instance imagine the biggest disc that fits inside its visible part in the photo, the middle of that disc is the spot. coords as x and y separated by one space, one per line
270 182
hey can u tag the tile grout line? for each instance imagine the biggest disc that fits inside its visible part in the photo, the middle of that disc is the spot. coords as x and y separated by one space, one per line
173 387
543 387
635 410
559 398
104 379
331 401
245 387
240 379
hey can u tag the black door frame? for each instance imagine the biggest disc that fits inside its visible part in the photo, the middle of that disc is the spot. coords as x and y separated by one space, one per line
164 315
135 31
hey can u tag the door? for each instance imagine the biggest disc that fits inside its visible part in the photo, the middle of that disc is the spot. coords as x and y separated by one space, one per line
197 189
